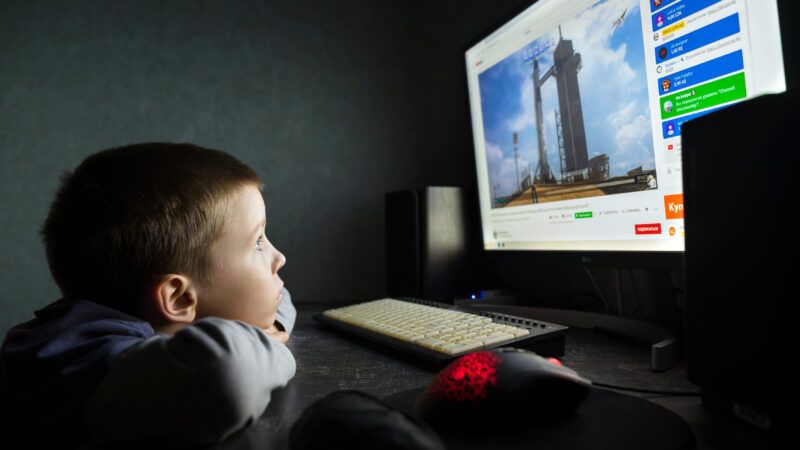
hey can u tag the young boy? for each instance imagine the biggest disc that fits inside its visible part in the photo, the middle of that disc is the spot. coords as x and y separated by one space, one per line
173 322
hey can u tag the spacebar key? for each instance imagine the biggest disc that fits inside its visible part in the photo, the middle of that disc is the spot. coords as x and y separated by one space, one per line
429 342
458 348
488 340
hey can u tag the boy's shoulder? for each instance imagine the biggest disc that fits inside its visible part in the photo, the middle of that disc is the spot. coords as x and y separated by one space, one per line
53 362
68 341
74 325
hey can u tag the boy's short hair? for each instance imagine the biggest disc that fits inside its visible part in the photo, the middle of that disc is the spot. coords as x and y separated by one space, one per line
129 214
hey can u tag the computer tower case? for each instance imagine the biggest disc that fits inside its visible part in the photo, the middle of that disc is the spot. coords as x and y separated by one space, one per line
740 176
431 243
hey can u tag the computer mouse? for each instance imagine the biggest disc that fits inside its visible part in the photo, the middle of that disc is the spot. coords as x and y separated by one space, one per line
501 386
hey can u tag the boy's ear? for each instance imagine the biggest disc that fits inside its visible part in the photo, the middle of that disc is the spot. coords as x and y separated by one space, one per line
174 299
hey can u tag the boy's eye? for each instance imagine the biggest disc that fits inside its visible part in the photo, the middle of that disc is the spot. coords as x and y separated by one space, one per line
259 244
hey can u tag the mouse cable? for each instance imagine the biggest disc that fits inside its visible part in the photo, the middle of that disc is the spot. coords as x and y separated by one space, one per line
649 391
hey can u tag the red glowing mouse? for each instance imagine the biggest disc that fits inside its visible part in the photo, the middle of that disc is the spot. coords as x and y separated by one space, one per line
501 386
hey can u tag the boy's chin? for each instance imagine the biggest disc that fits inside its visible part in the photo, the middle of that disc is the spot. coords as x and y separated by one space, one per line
269 323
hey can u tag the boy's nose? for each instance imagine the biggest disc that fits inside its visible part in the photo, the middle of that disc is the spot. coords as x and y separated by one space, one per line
280 260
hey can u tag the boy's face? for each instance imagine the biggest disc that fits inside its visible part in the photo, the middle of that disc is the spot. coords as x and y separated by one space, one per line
244 283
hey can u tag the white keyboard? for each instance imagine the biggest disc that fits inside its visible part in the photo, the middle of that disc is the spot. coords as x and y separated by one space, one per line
438 328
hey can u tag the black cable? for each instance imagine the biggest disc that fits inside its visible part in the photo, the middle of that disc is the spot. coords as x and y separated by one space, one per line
560 301
597 288
649 391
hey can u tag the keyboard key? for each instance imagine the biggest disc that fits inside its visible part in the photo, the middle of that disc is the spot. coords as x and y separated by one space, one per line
500 337
462 348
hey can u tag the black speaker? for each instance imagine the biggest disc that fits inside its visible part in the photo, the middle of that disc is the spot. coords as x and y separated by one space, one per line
740 187
431 243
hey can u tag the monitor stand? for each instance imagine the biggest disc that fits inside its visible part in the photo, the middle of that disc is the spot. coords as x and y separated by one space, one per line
664 346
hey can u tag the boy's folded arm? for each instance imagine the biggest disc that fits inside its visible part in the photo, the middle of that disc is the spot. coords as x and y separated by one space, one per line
196 387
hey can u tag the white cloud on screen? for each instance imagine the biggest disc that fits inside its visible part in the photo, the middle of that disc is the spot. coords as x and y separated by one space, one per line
622 128
503 171
625 135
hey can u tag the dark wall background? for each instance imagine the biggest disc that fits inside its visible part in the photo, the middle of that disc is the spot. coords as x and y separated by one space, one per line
333 103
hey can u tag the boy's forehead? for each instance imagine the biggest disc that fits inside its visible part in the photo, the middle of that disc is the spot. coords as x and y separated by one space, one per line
249 207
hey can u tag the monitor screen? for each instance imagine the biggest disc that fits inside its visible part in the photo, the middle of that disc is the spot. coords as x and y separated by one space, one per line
577 108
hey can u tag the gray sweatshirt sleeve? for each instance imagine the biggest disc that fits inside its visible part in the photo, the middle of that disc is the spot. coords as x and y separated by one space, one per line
286 312
197 387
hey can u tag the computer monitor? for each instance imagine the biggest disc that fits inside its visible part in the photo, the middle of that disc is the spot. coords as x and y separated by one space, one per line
577 108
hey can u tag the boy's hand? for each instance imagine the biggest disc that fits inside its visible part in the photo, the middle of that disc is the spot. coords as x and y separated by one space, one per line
280 336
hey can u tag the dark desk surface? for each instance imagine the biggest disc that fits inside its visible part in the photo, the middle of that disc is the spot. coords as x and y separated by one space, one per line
328 361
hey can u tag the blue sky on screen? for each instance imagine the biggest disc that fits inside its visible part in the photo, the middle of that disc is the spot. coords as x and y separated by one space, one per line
613 94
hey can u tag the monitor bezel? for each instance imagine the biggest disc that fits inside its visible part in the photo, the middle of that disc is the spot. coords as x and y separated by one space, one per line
623 259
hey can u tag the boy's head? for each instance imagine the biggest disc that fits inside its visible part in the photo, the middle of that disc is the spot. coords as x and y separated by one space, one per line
168 232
